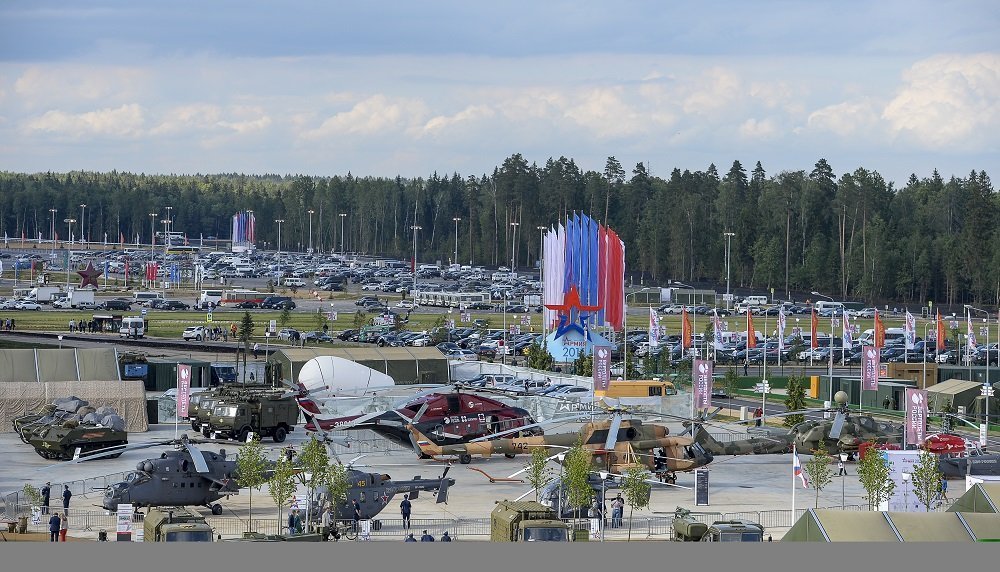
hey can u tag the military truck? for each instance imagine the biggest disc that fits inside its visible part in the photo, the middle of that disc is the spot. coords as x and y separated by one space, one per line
266 414
175 524
528 521
201 404
687 529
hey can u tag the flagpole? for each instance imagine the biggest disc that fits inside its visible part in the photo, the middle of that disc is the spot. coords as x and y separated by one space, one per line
794 457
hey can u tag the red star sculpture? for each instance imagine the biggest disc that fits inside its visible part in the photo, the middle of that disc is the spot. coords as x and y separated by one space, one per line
571 304
89 276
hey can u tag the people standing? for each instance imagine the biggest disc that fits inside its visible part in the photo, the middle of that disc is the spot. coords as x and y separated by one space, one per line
66 496
291 522
841 470
445 537
409 538
256 349
63 526
404 509
617 510
357 513
944 488
46 491
54 524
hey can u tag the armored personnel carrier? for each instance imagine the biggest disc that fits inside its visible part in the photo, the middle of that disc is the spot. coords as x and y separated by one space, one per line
70 427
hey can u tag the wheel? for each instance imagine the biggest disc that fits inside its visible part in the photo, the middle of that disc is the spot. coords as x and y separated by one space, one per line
194 426
279 434
205 431
509 455
350 533
216 509
198 338
465 458
244 433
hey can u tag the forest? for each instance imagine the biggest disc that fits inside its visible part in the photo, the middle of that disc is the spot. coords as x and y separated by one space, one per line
854 236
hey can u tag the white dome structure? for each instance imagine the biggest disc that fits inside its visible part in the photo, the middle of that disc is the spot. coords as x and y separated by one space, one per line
331 376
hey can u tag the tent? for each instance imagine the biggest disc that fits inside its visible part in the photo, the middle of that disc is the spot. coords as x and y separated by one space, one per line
406 365
71 364
834 525
957 392
19 398
981 497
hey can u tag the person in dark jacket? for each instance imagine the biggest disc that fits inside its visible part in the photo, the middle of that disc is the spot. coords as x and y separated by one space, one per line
445 537
46 491
54 523
409 538
426 537
66 496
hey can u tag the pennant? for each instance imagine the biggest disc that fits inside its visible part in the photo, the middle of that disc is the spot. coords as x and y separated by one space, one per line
685 329
654 327
880 331
846 332
814 331
781 329
751 333
970 336
716 330
941 333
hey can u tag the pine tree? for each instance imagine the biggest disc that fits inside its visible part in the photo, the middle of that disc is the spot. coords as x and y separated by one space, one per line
795 400
539 356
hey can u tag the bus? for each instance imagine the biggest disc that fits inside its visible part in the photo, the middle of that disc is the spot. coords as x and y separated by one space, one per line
181 249
168 237
449 299
240 295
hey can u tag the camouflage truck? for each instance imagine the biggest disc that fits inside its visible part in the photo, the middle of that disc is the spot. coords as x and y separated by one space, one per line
528 521
687 529
266 414
175 524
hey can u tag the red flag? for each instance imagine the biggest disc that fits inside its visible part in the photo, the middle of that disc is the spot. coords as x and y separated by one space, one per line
751 334
685 329
814 341
126 268
940 331
121 238
879 331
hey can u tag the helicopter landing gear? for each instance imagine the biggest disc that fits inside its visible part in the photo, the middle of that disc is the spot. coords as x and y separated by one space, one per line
465 458
216 509
509 455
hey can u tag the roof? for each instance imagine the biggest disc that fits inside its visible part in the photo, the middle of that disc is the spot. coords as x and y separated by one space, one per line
954 386
834 525
71 364
405 365
981 497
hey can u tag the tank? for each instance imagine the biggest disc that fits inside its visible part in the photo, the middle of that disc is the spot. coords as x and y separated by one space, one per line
60 441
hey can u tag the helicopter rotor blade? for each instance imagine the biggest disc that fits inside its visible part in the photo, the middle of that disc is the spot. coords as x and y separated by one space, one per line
420 412
616 423
196 456
838 425
561 419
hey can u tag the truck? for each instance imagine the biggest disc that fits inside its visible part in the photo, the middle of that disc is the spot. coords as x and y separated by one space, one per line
175 524
42 294
74 298
528 521
688 529
270 414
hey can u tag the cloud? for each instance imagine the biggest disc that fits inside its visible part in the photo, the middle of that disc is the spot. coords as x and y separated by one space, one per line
376 115
604 112
758 129
947 100
66 85
201 117
124 121
844 119
470 114
711 92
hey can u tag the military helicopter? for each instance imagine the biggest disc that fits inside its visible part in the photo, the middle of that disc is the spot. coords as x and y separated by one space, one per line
447 417
616 444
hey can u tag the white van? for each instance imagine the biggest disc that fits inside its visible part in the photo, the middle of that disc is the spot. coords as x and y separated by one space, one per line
132 327
828 305
891 335
296 282
143 298
755 300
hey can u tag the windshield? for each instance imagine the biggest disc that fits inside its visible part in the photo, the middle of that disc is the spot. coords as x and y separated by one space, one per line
544 534
225 411
189 536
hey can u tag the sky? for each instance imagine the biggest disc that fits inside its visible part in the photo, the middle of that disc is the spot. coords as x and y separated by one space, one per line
391 88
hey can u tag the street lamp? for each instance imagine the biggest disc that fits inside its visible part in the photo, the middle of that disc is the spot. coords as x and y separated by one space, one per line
83 211
559 490
843 480
310 211
69 232
513 240
729 236
906 490
456 219
625 332
342 215
415 229
814 293
604 480
278 255
52 229
166 229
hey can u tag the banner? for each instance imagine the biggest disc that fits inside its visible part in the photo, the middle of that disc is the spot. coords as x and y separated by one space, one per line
124 521
685 329
702 384
602 368
654 327
814 331
916 415
879 331
970 336
751 334
910 331
869 368
716 330
781 330
846 336
941 332
183 389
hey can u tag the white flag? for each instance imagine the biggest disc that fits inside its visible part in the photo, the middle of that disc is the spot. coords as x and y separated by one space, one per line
910 331
781 329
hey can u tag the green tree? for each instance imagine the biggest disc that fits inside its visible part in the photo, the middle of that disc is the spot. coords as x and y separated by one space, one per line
538 470
438 331
360 320
795 400
819 471
539 356
926 480
730 382
320 318
636 488
251 469
281 485
576 471
285 316
873 472
584 365
34 496
245 333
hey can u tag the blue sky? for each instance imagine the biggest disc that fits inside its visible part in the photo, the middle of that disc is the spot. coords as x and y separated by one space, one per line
409 88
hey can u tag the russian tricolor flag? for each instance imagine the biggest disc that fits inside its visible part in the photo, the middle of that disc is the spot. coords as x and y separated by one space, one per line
797 468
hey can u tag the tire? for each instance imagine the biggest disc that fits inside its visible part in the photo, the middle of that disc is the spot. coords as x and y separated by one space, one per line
465 458
243 434
279 434
350 533
509 455
216 509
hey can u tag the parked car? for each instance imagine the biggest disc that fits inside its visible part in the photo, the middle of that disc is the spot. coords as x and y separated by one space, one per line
116 304
197 333
288 334
28 305
173 305
246 305
317 336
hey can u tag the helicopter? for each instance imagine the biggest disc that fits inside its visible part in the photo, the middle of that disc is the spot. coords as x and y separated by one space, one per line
615 445
447 417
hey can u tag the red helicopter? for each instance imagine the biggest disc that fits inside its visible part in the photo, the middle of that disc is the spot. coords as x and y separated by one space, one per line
447 416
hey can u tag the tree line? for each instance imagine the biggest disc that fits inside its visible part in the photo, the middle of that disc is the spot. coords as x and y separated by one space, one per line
854 236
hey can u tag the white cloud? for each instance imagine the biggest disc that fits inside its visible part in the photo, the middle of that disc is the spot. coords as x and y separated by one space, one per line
758 129
948 100
376 115
472 113
605 113
844 119
712 91
66 85
187 118
124 121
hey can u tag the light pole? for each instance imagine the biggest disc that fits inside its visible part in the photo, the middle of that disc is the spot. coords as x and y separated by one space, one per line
415 229
152 234
814 293
456 219
69 232
927 325
342 215
729 236
52 229
600 513
843 486
83 211
166 230
513 240
278 255
541 273
906 491
310 211
560 457
625 332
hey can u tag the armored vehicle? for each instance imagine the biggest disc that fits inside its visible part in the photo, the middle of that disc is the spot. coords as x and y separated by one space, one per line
70 427
688 529
175 524
266 414
527 521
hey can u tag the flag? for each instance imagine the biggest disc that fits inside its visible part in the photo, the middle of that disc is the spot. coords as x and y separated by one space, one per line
910 331
846 335
941 334
781 329
106 268
814 331
797 468
654 327
970 336
751 334
880 331
685 329
716 330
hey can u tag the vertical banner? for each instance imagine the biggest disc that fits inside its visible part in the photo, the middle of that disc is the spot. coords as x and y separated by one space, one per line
941 332
685 329
183 389
702 384
751 334
781 330
814 331
869 368
602 368
124 518
716 331
880 331
846 336
916 415
910 331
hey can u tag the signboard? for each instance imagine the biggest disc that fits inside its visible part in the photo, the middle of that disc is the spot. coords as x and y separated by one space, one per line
525 320
517 329
144 311
466 317
595 528
366 529
903 498
869 368
702 384
916 415
208 317
602 368
136 369
36 515
333 316
272 326
701 487
982 434
513 329
183 389
124 523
